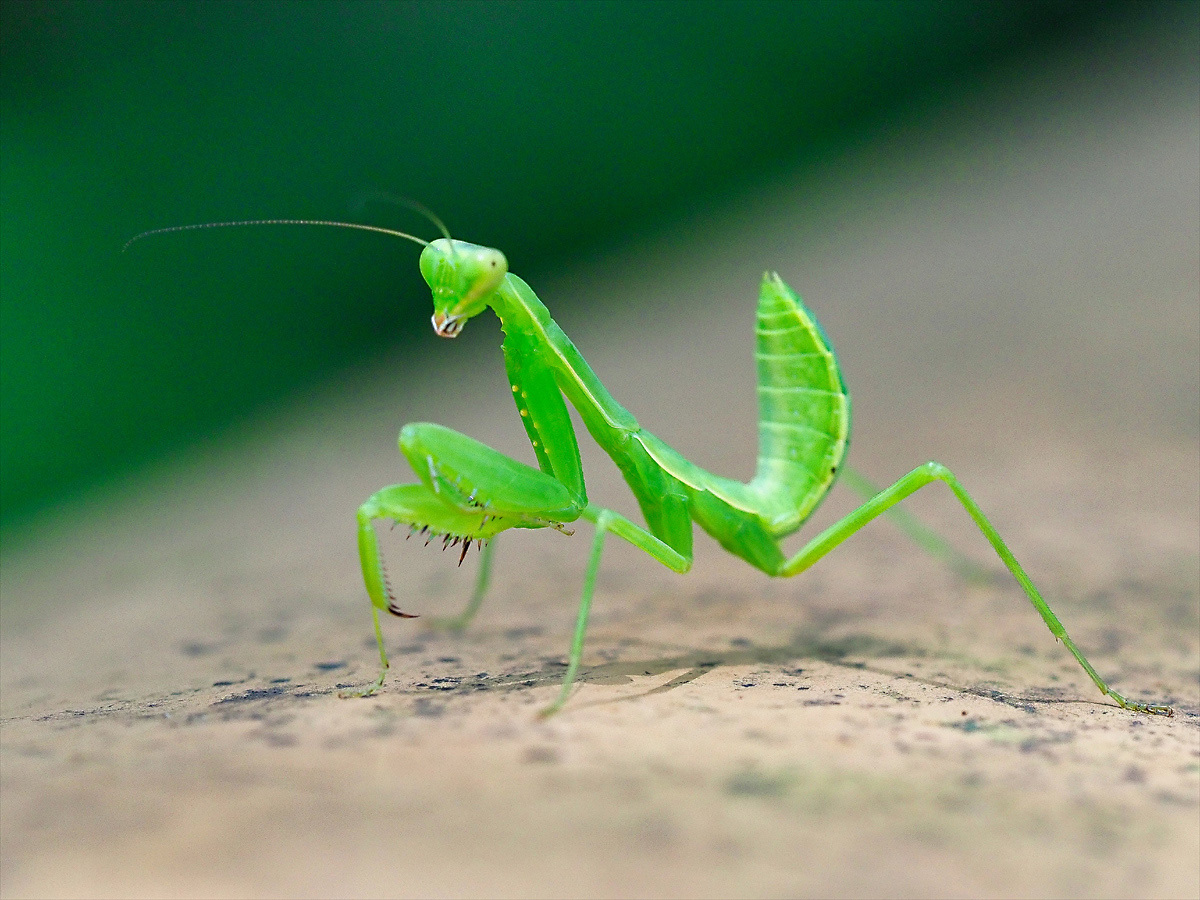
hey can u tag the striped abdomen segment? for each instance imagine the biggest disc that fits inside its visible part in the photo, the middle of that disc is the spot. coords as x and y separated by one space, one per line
803 409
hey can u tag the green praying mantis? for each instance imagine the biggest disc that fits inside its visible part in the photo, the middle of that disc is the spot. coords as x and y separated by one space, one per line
469 493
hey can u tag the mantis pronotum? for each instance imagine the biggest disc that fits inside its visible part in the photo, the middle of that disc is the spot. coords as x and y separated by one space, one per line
469 493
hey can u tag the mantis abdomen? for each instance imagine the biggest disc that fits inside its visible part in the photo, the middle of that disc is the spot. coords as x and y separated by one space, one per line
804 429
803 409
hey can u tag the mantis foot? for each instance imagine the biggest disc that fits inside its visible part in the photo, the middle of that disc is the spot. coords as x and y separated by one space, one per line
553 709
368 691
1151 709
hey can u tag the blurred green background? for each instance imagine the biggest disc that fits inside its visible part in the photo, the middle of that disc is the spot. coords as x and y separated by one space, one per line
539 128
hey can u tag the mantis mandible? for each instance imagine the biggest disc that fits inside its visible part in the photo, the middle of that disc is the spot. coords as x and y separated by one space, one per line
469 493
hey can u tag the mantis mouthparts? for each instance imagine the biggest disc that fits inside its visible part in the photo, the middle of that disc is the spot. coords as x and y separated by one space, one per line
447 326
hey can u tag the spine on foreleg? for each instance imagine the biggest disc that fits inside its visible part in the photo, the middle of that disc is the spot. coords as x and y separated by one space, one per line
803 408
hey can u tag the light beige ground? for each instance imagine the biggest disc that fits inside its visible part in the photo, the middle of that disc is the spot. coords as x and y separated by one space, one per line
1017 301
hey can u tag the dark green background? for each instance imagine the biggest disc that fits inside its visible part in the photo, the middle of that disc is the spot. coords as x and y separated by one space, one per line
539 128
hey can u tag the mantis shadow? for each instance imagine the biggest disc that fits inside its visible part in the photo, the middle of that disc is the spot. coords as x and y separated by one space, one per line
849 652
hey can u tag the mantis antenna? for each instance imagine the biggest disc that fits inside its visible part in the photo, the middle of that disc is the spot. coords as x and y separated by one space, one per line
401 234
425 211
415 206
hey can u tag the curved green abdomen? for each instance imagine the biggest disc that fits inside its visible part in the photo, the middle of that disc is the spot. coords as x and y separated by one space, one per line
803 409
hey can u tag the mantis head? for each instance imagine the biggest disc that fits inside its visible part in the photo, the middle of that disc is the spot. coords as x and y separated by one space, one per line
463 278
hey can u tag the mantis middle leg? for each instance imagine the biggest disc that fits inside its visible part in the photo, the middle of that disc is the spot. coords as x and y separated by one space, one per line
607 521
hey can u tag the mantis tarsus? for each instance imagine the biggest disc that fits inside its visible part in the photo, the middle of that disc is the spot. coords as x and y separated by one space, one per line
469 493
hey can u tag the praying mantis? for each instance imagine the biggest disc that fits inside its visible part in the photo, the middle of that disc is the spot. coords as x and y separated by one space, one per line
469 493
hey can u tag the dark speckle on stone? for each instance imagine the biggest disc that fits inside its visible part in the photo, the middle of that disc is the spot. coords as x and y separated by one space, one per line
541 755
753 783
426 708
276 739
252 694
514 634
970 726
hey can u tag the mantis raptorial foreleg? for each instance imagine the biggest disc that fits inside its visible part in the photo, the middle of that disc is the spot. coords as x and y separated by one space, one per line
494 481
469 492
425 514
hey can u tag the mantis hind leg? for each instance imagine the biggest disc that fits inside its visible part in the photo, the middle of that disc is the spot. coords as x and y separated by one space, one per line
919 533
909 484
